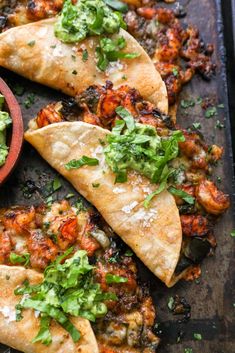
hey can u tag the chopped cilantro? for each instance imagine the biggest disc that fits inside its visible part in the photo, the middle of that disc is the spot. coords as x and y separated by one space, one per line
85 55
31 43
182 194
23 259
218 178
69 196
95 185
109 50
78 163
117 5
80 206
186 103
196 126
199 100
210 112
232 233
129 253
138 147
197 336
68 289
175 71
221 106
115 279
74 72
188 350
29 101
53 46
219 125
170 303
56 184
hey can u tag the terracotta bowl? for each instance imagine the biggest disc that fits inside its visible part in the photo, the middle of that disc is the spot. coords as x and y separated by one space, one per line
14 134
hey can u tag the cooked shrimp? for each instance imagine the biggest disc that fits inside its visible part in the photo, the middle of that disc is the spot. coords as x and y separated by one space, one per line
194 225
42 249
5 246
48 115
20 220
213 200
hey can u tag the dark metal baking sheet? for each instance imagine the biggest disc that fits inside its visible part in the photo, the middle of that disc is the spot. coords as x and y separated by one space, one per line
212 298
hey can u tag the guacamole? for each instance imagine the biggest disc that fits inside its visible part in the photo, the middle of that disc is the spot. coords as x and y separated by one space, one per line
5 121
87 18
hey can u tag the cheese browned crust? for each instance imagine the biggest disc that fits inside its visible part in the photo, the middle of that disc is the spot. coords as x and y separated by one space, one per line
20 334
154 234
60 66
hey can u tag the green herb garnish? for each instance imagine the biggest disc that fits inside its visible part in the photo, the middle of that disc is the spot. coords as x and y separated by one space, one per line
188 350
29 101
196 126
232 233
219 125
109 50
175 71
186 103
197 336
84 55
67 289
20 259
182 194
31 43
86 18
117 5
56 184
210 112
78 163
170 303
138 147
115 279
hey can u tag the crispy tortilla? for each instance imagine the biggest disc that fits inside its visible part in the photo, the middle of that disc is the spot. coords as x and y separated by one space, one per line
154 234
33 51
20 334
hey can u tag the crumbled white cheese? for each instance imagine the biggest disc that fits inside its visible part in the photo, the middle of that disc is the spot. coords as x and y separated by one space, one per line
8 313
36 313
128 208
58 52
98 150
147 190
146 216
118 190
114 67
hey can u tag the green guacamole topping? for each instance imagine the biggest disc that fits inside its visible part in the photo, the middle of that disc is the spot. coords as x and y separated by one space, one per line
138 147
67 289
5 121
87 18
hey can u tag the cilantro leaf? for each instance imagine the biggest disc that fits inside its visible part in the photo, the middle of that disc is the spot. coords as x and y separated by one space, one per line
68 288
117 5
78 163
44 334
182 194
232 233
110 50
20 259
115 279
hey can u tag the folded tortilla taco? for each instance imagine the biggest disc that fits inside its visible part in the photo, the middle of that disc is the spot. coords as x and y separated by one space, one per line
19 334
153 233
33 51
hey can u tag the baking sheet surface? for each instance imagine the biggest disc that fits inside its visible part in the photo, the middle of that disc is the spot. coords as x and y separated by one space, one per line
212 298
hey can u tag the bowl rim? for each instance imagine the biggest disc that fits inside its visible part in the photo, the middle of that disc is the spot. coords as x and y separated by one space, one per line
17 131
